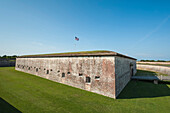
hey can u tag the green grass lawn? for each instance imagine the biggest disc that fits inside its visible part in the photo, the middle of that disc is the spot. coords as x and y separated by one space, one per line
21 92
148 73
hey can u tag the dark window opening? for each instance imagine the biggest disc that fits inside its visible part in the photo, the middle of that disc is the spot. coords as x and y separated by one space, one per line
36 69
68 73
47 71
51 70
44 68
80 74
131 64
28 68
97 77
58 71
63 74
88 80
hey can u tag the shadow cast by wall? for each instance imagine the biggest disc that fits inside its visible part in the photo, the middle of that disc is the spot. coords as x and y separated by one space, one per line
5 107
144 89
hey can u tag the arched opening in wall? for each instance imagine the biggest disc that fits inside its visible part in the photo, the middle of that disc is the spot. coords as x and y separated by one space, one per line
132 72
68 73
88 79
131 69
36 69
47 71
63 74
28 68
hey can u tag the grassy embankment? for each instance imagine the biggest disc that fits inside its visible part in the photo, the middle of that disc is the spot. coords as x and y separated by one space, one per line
148 73
67 53
167 65
21 92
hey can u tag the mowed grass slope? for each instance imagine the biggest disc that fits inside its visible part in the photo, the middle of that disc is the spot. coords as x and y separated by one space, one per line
69 53
167 65
32 94
149 73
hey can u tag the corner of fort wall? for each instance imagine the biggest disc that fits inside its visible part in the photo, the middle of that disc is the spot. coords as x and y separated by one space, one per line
124 69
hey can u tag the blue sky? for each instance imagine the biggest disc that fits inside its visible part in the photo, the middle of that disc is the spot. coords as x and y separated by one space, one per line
138 28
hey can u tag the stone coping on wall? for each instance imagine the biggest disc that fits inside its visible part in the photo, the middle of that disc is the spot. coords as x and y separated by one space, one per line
78 54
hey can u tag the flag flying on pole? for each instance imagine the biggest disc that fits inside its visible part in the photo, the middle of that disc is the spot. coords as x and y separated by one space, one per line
76 38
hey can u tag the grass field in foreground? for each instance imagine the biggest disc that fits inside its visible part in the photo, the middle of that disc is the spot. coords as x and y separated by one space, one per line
21 92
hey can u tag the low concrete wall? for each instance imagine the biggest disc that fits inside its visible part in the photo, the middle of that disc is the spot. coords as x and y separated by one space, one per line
161 69
154 63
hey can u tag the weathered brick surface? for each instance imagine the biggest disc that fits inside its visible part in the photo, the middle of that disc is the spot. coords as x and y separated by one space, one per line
123 72
76 69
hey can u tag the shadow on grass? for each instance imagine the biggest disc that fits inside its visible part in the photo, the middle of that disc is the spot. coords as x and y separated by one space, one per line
144 89
5 107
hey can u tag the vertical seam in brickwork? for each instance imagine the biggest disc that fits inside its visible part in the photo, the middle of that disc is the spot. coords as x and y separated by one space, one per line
115 77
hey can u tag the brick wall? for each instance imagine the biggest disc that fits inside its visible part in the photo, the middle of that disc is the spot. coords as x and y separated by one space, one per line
74 71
